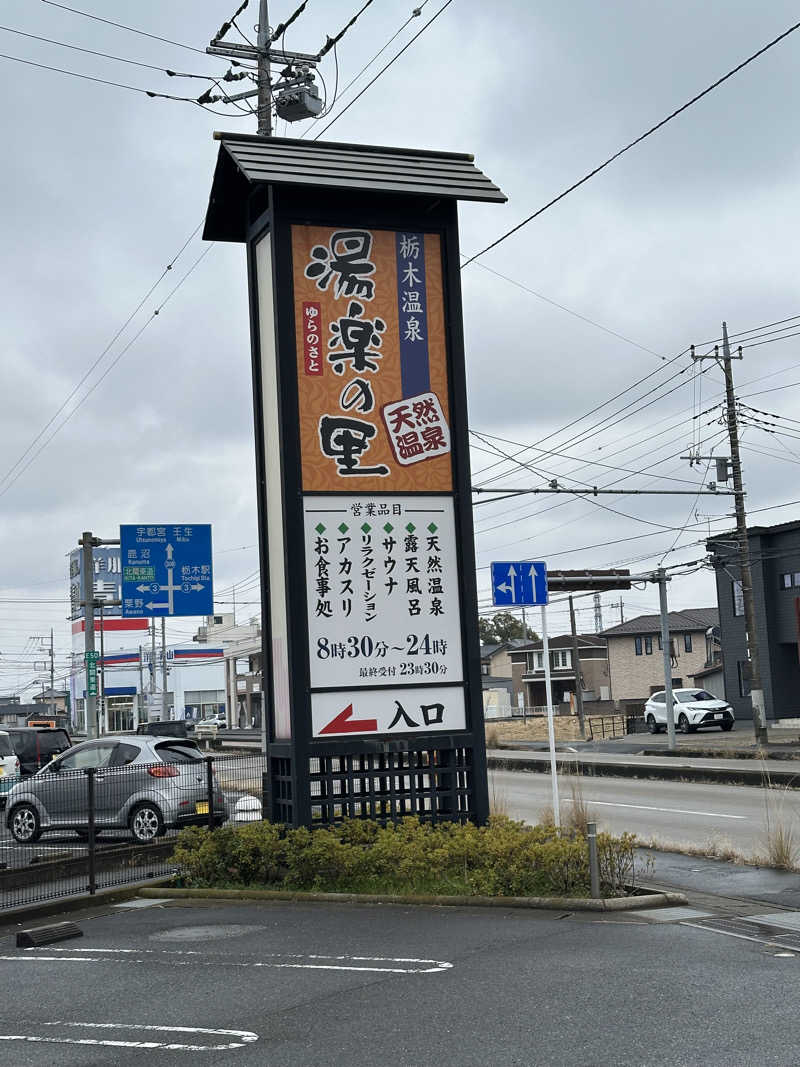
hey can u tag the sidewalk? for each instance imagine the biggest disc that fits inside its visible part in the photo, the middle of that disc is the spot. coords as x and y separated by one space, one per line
720 885
637 765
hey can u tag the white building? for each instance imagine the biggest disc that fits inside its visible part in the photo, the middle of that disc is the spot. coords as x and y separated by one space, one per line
200 672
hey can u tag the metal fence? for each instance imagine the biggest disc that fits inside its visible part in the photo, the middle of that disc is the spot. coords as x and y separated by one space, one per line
99 827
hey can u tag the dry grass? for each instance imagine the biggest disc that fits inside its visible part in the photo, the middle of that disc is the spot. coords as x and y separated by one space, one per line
779 837
714 849
576 812
498 799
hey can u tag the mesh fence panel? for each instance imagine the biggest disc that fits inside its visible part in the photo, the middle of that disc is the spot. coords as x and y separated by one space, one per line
77 831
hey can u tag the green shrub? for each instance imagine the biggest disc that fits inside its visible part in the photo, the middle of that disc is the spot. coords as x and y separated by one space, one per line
503 858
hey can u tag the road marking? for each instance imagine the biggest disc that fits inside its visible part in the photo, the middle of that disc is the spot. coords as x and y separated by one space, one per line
244 1037
645 807
274 960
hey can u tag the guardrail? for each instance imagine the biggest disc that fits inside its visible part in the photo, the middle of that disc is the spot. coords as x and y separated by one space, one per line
101 827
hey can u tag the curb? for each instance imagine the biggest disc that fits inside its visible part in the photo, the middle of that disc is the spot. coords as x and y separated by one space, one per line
679 772
102 898
650 900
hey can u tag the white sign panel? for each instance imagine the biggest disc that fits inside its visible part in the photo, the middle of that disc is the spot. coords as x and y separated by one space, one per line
388 711
382 590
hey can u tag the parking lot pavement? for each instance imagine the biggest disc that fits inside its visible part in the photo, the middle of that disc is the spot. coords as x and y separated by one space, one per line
295 984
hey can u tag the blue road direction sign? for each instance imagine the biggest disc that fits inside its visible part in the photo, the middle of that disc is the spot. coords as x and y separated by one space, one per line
523 583
166 570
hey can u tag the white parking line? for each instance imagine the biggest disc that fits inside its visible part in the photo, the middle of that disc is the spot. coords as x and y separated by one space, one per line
277 961
244 1037
669 811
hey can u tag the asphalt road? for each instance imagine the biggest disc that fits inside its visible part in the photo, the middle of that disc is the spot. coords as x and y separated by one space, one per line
255 985
684 813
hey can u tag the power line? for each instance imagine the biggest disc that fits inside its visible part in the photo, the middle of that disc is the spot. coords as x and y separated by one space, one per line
104 55
632 144
331 42
108 369
100 81
121 330
569 311
383 69
129 29
414 14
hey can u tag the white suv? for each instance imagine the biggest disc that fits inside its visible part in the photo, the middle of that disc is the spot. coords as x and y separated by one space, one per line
694 709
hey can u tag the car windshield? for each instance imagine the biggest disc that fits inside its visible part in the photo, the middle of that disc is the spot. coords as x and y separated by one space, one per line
689 696
5 745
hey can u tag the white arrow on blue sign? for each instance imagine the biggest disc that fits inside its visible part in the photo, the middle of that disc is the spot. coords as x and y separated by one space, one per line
522 583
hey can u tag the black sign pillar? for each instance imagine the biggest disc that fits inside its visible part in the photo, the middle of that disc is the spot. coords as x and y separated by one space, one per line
371 660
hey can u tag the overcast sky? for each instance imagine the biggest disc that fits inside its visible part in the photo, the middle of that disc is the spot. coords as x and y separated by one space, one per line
101 187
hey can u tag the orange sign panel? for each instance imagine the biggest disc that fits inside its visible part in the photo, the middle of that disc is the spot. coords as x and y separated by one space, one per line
371 360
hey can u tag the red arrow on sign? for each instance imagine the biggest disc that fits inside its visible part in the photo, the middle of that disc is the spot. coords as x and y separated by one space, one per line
344 723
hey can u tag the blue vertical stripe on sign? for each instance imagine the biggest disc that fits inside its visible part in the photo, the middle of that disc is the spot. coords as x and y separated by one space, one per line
412 308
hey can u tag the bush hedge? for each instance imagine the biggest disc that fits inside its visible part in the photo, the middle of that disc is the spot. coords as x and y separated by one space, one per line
503 858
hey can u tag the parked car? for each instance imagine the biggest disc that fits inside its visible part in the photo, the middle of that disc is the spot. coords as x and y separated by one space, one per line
213 720
9 766
9 760
143 784
694 709
166 728
37 745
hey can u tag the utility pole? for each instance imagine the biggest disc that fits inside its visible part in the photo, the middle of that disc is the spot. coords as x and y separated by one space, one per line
52 679
102 700
295 92
661 577
87 567
264 79
140 697
152 665
576 664
621 613
756 691
163 666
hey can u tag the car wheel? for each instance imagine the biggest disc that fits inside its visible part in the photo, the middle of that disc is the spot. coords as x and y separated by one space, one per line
726 726
146 823
24 824
683 724
652 725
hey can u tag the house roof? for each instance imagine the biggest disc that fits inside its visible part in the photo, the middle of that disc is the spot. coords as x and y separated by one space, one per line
688 619
512 644
563 641
715 668
779 528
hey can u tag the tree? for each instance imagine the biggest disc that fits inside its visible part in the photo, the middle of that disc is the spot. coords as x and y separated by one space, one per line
503 626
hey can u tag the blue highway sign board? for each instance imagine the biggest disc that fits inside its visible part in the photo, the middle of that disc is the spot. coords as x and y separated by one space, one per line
166 570
523 583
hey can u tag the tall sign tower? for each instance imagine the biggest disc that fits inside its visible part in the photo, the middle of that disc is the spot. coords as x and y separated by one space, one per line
371 650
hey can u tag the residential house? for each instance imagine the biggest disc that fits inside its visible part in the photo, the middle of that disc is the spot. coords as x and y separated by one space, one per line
527 665
58 698
711 677
775 569
635 653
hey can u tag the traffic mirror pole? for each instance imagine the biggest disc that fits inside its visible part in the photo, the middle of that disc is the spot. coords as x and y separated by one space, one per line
87 566
550 732
662 600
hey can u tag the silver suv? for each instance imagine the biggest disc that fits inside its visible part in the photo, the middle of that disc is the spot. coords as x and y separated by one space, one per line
143 784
